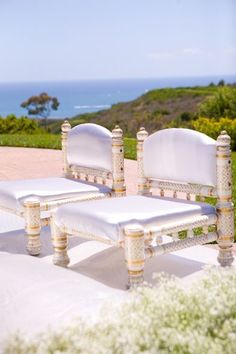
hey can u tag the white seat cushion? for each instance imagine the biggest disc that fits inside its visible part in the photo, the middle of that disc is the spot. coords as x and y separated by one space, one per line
13 193
107 217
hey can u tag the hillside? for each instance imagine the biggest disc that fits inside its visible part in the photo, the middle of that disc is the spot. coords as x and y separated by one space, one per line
154 110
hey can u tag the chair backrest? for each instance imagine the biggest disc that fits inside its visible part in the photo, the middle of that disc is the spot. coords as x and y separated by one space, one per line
180 155
93 153
90 145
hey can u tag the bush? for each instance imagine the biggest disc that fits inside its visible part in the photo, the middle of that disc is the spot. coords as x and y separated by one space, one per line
221 104
12 125
169 318
186 116
213 128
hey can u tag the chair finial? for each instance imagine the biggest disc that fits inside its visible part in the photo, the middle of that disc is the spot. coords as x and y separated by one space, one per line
142 134
117 131
223 139
65 127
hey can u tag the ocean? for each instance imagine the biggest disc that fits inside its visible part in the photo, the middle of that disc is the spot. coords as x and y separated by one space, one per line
77 97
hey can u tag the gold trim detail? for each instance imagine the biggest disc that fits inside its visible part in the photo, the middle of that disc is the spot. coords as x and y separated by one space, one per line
220 156
29 206
135 272
28 227
60 248
134 235
135 262
33 235
224 210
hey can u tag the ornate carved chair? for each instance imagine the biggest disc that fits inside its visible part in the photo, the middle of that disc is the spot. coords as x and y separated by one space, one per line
93 165
181 164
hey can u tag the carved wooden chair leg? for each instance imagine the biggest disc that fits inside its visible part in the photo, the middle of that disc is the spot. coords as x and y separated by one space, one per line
134 254
225 227
59 241
224 207
143 185
32 226
118 186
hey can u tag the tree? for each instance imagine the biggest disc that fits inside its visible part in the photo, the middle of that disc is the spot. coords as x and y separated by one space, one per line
221 83
41 105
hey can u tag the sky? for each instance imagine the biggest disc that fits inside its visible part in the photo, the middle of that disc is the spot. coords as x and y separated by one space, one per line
105 39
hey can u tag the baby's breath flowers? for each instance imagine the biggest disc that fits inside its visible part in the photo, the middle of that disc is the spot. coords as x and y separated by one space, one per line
167 318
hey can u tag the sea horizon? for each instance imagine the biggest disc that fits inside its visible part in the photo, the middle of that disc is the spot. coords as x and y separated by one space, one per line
85 96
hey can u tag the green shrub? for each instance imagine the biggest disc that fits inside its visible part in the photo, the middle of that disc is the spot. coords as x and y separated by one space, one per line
213 128
168 318
221 104
186 116
12 125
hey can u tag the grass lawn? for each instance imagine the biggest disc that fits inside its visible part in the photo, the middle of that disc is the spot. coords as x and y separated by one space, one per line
53 141
45 141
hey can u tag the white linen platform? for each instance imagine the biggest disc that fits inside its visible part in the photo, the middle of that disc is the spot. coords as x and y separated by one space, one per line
34 294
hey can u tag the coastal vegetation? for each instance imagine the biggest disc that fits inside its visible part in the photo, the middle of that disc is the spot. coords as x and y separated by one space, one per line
156 109
163 108
208 109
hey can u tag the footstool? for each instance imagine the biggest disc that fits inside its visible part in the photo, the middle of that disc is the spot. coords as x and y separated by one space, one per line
135 223
93 166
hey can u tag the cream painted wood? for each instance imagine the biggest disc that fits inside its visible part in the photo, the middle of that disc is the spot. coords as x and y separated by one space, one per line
188 225
225 211
188 188
158 250
32 226
53 204
143 183
118 186
134 254
65 129
59 241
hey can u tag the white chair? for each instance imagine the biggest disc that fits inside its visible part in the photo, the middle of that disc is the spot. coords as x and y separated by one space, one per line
90 152
180 164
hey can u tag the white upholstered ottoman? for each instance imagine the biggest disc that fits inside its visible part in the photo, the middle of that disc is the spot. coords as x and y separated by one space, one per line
93 166
186 164
135 223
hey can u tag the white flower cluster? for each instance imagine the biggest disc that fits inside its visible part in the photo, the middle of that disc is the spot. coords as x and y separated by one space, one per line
167 318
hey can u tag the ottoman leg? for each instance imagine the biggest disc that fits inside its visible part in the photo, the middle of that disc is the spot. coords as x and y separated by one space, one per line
225 228
59 241
224 206
32 226
134 254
